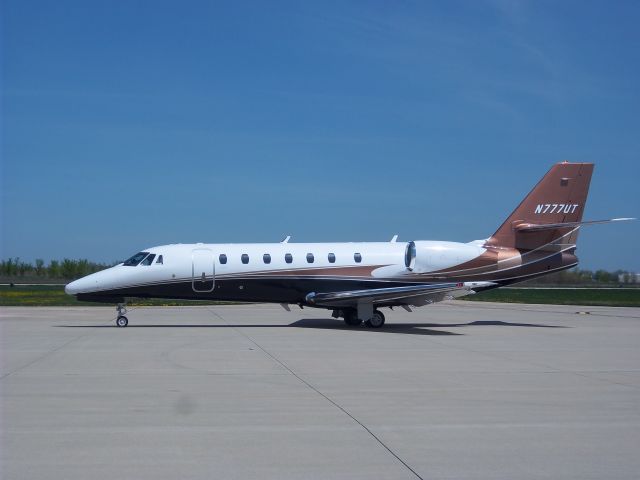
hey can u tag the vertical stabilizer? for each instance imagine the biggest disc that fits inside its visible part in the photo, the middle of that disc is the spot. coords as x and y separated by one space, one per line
560 197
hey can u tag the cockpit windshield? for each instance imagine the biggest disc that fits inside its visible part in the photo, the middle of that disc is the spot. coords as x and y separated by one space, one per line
149 260
136 259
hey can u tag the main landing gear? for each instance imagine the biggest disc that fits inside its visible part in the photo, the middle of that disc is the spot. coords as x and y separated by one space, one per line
351 318
122 321
376 320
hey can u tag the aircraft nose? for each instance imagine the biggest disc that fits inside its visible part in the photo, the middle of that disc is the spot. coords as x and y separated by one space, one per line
82 285
72 288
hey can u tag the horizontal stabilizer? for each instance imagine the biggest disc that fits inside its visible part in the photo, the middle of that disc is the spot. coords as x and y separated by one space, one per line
534 227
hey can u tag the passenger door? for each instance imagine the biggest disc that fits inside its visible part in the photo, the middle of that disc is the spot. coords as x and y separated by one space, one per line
203 270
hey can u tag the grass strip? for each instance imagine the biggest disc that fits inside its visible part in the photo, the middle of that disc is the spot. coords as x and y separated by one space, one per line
609 297
54 296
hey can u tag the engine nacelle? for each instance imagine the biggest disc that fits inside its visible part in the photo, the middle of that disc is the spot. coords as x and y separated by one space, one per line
428 256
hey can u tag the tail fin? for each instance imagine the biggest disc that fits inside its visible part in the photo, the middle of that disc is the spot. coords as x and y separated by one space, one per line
539 221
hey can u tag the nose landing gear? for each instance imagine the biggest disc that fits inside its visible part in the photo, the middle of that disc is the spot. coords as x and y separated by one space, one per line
122 321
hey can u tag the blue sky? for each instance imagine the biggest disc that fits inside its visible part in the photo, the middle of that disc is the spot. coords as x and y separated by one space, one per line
132 124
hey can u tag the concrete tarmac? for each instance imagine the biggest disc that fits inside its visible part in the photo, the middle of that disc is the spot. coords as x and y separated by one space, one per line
457 390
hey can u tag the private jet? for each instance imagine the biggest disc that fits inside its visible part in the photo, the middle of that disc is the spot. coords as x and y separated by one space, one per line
356 280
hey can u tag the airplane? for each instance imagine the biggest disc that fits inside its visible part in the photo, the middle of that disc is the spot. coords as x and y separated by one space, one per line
356 280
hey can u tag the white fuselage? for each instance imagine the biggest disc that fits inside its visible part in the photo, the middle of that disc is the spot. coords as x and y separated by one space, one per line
364 261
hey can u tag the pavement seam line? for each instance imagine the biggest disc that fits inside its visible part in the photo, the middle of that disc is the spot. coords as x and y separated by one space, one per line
323 395
51 352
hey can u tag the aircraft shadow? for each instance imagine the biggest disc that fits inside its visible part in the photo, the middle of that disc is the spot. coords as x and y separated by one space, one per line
332 324
493 323
408 328
405 328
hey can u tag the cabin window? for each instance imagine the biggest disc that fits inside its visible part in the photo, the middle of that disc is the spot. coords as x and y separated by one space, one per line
149 260
159 261
136 259
266 258
288 258
357 257
332 258
244 258
222 258
309 257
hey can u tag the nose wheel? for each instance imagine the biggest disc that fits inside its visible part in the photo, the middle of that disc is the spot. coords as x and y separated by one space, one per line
121 321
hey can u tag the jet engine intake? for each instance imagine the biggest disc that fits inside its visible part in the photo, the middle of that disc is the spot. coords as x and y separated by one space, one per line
430 256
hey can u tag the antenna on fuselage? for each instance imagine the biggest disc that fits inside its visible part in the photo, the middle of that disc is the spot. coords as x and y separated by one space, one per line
393 240
286 239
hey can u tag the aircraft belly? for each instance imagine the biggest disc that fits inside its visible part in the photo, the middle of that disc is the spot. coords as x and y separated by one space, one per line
275 290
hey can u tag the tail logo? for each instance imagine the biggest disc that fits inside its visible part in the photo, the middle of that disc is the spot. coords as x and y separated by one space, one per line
556 208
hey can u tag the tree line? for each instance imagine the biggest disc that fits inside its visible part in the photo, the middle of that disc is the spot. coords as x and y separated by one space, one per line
65 269
68 269
576 276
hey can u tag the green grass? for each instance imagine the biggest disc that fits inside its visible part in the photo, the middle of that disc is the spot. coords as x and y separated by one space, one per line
624 297
53 295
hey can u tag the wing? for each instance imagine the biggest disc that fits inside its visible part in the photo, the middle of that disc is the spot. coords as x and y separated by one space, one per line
416 295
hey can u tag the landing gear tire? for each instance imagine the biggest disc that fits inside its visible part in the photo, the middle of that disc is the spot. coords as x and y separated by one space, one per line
121 320
377 321
351 318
